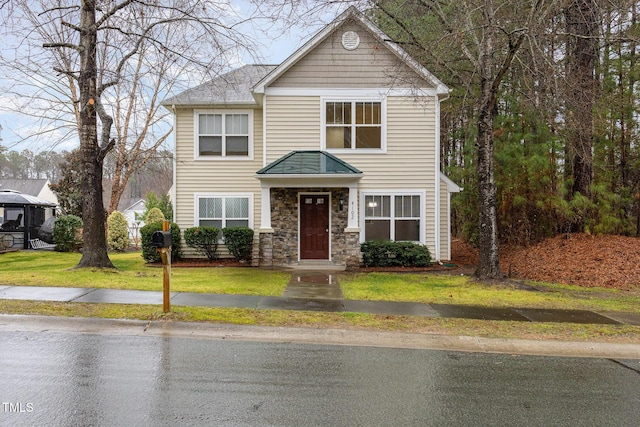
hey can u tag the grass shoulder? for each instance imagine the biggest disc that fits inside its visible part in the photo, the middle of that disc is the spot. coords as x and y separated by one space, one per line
316 320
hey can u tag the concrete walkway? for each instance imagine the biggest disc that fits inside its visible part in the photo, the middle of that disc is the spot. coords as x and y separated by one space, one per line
315 291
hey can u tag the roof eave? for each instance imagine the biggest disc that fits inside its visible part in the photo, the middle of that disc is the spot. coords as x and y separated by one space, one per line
202 104
307 180
334 176
452 187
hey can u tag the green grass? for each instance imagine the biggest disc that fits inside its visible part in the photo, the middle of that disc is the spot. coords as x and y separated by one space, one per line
29 268
428 288
56 269
284 318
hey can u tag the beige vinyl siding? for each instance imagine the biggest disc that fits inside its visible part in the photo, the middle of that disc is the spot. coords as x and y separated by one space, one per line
445 250
293 123
410 160
212 176
330 65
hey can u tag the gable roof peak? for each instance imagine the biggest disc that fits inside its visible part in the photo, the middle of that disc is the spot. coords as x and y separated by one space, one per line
351 13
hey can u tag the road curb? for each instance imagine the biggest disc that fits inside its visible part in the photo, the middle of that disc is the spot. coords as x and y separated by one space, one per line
362 338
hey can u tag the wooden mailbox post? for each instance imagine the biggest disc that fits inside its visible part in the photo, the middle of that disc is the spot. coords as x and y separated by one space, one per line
162 241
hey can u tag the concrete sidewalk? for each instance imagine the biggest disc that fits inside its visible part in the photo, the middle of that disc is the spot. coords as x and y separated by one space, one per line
94 295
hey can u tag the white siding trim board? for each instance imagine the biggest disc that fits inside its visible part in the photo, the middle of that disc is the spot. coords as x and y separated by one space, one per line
379 92
437 181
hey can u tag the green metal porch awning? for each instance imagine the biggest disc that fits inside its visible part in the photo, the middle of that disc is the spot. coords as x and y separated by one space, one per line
309 163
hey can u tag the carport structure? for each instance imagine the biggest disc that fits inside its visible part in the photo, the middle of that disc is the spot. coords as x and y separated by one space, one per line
21 217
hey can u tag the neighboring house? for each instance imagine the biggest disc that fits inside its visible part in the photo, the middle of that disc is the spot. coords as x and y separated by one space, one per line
22 216
133 213
336 146
34 187
38 188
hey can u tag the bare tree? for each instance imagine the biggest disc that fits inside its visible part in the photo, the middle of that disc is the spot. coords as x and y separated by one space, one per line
109 56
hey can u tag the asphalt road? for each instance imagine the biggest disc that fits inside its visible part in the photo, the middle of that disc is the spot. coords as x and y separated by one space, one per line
52 378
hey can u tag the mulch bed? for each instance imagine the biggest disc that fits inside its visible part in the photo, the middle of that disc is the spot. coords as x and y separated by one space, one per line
203 262
575 259
434 268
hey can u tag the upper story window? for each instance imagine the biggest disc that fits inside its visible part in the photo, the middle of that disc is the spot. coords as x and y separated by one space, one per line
224 134
354 125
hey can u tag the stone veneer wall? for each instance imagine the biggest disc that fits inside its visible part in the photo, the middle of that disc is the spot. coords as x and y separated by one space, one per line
281 246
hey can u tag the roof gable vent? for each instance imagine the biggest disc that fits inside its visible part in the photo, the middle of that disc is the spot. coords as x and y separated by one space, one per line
350 40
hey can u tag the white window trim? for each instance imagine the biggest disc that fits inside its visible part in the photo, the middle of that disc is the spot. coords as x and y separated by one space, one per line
383 125
423 218
198 196
223 157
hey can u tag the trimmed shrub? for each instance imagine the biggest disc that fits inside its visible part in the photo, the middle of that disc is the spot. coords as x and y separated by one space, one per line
203 239
154 215
239 241
394 254
117 231
66 233
149 253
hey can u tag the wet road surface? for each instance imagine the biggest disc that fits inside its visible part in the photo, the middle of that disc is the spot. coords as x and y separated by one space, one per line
65 379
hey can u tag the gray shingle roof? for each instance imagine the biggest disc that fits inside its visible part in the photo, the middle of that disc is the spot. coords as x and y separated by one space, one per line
32 187
233 87
11 197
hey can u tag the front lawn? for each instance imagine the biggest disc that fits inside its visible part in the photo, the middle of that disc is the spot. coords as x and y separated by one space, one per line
441 289
56 269
30 268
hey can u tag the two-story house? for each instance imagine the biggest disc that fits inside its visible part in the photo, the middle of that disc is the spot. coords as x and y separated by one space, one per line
336 146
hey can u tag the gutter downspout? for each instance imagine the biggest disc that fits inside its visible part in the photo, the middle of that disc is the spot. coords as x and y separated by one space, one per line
437 183
264 130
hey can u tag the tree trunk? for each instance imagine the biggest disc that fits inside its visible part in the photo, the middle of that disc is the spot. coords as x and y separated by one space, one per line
582 27
94 252
489 262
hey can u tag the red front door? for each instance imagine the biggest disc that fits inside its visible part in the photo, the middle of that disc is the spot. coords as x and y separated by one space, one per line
314 226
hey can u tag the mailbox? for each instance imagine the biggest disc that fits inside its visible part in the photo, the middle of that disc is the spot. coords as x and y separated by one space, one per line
161 239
